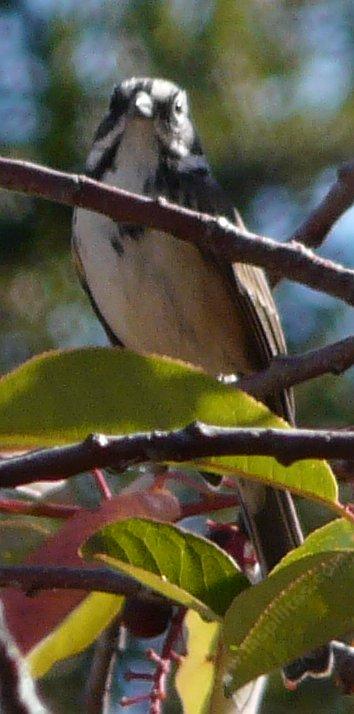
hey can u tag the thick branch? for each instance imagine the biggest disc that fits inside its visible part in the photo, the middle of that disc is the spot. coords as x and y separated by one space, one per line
286 371
192 442
283 372
217 235
46 577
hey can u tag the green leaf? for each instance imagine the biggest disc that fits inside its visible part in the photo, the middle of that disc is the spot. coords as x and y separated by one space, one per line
199 677
296 609
76 632
178 565
61 397
195 677
336 535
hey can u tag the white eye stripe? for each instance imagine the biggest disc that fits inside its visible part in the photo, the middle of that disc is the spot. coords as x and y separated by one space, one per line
163 89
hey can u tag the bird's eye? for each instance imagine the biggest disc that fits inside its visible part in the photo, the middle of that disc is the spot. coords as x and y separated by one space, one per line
178 105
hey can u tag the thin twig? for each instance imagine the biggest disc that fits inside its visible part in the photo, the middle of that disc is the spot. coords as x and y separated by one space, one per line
339 198
37 508
158 693
217 235
285 371
194 441
344 666
316 227
102 484
212 502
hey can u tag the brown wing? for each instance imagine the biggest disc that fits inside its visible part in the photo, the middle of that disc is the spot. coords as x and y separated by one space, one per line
248 284
269 514
260 313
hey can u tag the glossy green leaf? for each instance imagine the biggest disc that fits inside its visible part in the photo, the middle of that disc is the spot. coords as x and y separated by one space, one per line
175 563
336 535
296 609
61 397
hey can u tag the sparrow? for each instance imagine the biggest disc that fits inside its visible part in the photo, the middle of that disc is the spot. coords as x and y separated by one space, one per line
156 294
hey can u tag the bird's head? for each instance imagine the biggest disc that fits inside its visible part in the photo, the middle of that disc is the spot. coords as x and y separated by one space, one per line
141 100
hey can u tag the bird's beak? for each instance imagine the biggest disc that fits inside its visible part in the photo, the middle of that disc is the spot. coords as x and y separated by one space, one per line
143 106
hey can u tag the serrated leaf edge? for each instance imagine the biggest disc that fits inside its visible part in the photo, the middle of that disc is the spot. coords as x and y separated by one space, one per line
237 650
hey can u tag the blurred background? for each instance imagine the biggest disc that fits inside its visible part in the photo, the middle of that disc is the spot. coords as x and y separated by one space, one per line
271 86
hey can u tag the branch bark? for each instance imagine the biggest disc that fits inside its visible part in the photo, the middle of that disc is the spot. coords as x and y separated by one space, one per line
316 227
217 235
192 442
285 371
46 577
339 198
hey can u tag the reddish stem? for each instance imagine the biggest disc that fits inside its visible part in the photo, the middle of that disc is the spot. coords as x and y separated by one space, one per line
163 663
158 693
190 480
102 484
131 701
30 508
212 502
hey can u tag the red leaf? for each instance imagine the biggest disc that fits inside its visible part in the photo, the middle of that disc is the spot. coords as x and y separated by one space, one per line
31 618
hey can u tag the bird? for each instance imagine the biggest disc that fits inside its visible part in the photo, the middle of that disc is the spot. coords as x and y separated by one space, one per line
156 294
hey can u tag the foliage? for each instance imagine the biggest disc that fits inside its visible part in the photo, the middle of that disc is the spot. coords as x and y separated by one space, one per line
270 89
295 609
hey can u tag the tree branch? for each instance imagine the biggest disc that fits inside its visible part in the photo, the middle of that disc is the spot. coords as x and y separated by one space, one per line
192 442
316 227
38 508
339 198
46 577
217 235
285 371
